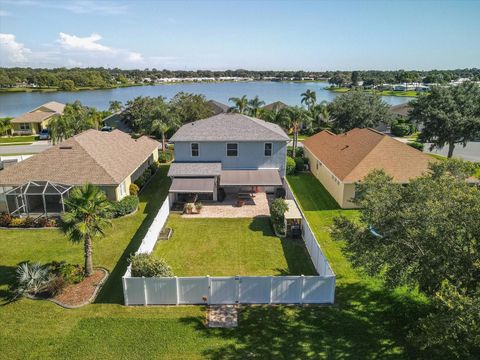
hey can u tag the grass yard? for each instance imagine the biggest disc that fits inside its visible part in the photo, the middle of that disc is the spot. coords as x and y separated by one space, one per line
222 247
367 321
28 139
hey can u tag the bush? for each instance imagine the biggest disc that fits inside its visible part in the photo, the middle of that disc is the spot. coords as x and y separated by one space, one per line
125 206
134 189
198 206
29 222
70 273
140 181
290 166
165 156
5 219
154 167
148 266
31 278
277 214
54 286
402 128
417 145
299 164
17 222
298 152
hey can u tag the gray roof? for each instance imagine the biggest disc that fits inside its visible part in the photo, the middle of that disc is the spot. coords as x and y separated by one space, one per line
230 127
218 107
195 169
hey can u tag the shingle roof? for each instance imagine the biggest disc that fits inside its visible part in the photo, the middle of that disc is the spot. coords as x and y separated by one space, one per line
351 156
101 158
402 109
218 107
230 127
195 169
37 116
277 105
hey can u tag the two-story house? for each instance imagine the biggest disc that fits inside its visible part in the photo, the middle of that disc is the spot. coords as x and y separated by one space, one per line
230 151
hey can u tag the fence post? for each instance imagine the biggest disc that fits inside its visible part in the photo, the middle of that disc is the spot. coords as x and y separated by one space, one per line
145 293
271 288
177 290
237 288
209 290
125 292
301 289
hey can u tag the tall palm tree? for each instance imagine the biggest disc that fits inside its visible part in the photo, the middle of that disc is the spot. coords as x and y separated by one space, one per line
86 218
254 106
294 119
309 98
163 120
240 104
115 106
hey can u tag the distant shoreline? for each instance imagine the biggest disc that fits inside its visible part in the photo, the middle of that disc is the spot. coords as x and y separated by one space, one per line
410 93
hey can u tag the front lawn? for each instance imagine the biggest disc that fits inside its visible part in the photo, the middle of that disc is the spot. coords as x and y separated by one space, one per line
18 139
222 247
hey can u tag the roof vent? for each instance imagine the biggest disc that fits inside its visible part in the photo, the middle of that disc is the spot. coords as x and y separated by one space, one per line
345 147
66 147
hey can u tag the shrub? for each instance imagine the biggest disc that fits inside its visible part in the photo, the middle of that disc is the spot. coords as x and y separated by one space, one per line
54 286
140 181
148 266
70 273
165 156
31 278
277 214
5 219
198 206
17 222
417 145
154 167
290 166
402 127
29 222
125 206
299 164
134 189
299 151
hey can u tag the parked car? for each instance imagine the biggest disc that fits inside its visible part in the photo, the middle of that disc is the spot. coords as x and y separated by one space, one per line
106 128
43 134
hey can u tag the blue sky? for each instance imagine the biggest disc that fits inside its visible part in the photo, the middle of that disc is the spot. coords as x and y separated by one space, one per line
257 35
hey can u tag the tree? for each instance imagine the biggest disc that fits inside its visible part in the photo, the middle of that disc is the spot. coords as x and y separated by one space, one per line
5 125
163 120
319 113
190 107
66 85
426 236
240 104
450 115
86 218
115 106
357 109
309 98
294 118
354 78
254 106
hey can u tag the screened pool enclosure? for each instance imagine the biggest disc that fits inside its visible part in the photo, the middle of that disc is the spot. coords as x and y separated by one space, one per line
39 198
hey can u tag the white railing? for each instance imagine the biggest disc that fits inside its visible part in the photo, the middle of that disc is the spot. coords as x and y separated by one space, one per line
231 289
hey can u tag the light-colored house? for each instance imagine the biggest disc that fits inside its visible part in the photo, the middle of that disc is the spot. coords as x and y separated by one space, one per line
109 160
340 161
34 121
230 151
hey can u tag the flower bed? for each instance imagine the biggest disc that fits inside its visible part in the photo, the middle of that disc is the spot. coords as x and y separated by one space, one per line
9 221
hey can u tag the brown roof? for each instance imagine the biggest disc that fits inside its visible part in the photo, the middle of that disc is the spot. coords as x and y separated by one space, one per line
101 158
402 109
41 113
277 105
351 156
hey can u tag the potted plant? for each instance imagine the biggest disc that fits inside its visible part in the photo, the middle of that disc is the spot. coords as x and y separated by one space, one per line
198 207
188 208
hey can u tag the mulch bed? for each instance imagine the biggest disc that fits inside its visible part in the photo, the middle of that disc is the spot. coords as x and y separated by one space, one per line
80 294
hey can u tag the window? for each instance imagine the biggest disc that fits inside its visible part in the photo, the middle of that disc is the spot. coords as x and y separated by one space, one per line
232 149
123 189
268 149
194 148
24 126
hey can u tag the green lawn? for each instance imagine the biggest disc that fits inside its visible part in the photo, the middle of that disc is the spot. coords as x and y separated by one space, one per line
18 139
222 247
300 137
367 322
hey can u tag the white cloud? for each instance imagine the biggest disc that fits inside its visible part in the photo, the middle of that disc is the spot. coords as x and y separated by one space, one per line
12 52
88 43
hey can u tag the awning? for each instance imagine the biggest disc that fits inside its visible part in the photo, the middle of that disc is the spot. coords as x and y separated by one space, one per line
197 169
192 185
293 212
261 177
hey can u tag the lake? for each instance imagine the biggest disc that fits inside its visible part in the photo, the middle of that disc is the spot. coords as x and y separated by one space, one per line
14 104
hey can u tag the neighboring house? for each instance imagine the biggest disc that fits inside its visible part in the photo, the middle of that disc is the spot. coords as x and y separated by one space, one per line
275 106
109 160
34 121
218 107
230 151
340 161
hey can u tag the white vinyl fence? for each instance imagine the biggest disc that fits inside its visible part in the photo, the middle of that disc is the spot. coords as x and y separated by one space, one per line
231 289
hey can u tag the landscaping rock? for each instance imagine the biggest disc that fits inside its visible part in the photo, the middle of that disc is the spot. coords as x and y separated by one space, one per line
222 316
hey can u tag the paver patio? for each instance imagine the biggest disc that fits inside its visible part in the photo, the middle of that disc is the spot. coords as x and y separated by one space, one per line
257 206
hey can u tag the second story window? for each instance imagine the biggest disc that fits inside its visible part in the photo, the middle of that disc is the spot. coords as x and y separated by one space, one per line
232 149
268 149
194 147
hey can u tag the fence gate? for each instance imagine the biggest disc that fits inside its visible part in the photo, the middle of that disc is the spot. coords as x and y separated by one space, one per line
223 290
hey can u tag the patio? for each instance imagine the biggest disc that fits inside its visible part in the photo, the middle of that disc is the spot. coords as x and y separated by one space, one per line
253 207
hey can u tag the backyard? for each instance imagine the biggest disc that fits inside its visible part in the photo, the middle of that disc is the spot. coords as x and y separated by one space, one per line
367 321
221 247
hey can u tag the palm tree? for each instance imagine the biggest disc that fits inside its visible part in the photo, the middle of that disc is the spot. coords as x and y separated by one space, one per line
163 121
309 98
254 106
240 104
115 106
294 118
5 125
86 218
319 113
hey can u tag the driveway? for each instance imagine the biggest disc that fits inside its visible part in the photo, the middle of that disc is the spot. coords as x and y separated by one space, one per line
471 152
34 148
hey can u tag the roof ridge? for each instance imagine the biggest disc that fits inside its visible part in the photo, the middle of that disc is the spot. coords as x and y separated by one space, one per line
263 123
365 156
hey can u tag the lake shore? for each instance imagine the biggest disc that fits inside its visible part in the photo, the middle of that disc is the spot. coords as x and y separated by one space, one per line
342 90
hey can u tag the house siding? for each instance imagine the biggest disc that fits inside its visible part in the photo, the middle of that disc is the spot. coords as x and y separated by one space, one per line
250 154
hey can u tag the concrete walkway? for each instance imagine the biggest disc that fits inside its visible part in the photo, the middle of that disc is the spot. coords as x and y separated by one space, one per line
34 148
